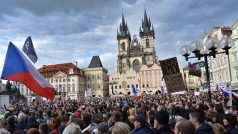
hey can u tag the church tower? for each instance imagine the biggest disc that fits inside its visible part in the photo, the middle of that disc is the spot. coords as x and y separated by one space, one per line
147 35
124 39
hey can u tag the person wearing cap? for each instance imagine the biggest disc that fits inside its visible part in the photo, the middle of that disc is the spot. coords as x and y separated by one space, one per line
161 123
141 126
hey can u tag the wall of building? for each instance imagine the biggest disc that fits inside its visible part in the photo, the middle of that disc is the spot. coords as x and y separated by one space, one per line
218 66
97 81
233 56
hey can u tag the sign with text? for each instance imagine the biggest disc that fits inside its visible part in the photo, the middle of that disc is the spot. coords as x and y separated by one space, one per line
172 76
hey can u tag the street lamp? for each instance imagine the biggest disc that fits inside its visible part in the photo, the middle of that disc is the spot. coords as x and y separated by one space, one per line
210 48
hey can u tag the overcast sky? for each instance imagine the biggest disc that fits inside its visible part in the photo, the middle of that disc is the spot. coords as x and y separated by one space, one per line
75 30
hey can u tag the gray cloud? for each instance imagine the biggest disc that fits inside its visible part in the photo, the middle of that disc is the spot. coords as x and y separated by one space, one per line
75 30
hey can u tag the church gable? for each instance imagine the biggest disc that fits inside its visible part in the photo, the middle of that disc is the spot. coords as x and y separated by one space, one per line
60 74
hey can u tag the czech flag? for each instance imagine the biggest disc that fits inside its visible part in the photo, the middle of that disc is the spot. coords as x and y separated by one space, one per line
18 68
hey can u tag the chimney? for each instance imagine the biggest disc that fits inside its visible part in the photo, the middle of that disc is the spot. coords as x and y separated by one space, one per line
76 63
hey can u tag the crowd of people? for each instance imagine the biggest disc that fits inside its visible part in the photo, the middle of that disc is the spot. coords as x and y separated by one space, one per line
147 114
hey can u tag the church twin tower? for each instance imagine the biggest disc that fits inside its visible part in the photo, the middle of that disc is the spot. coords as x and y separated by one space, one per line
132 53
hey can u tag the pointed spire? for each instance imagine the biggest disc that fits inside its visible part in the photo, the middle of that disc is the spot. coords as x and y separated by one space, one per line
124 31
145 18
146 26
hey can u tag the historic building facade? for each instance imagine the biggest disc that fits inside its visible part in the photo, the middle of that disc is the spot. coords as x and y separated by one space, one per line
96 78
218 66
137 63
233 54
193 82
67 79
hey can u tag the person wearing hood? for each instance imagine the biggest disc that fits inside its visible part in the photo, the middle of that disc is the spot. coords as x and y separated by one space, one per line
197 117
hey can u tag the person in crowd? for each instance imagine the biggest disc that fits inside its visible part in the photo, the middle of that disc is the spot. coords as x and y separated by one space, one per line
32 123
72 129
103 128
11 127
218 128
87 119
184 126
115 117
21 121
197 117
4 131
161 123
230 122
160 114
121 128
132 116
63 124
33 131
141 126
44 128
56 124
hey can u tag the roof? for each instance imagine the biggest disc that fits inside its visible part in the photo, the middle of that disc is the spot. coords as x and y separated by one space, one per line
95 62
64 67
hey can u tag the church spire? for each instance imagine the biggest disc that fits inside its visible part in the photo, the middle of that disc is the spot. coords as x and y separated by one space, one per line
146 26
124 31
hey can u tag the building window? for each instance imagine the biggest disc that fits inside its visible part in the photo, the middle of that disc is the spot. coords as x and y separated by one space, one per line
136 85
123 46
147 85
147 43
128 86
119 86
111 87
143 85
224 60
236 73
115 86
234 57
51 80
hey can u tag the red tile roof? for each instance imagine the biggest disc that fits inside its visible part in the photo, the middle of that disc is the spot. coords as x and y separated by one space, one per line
50 70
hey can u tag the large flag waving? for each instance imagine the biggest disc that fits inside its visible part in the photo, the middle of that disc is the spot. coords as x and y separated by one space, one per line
29 50
18 68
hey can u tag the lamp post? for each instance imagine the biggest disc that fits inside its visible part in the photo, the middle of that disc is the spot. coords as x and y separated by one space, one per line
209 48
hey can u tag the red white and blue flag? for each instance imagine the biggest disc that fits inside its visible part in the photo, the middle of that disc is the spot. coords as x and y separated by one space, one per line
18 68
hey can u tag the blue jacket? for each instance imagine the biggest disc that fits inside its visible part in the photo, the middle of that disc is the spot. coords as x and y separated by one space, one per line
21 125
143 130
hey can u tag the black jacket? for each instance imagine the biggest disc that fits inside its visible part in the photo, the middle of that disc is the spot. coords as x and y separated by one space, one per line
164 130
205 129
231 129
